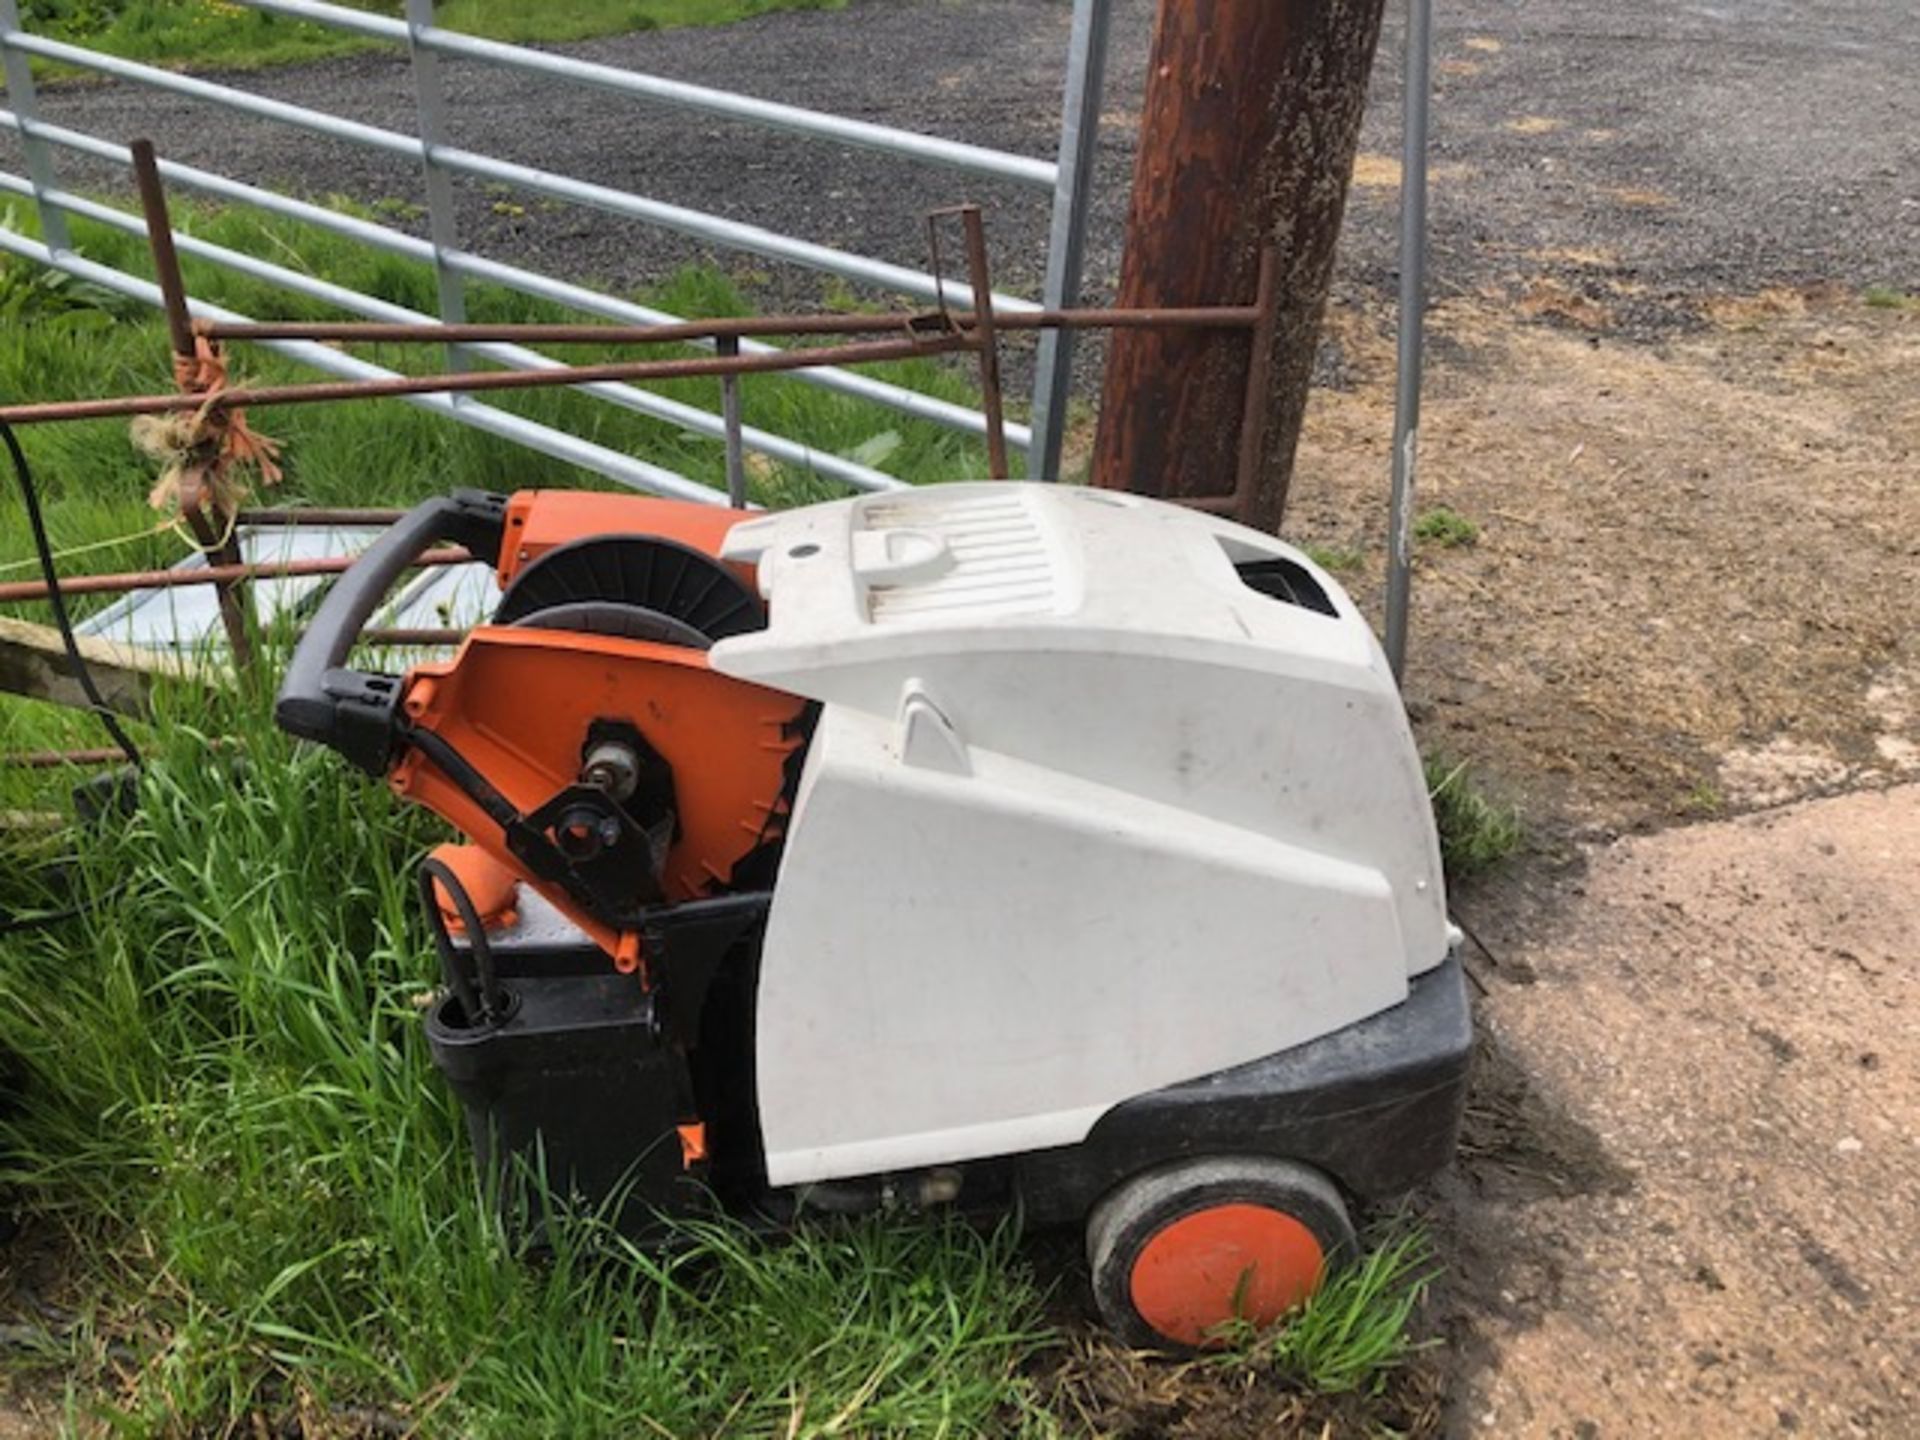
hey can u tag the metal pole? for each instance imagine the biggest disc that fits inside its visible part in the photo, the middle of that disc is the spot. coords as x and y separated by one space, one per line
199 505
1253 408
20 94
986 339
1067 239
728 348
166 262
430 105
1413 299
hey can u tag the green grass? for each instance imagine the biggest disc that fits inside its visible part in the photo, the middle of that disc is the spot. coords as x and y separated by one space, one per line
1445 527
1887 297
582 19
211 34
1353 1332
1477 832
1705 798
1335 559
226 1100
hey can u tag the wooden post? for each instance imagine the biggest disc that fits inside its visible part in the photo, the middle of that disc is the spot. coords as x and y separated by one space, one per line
33 663
1247 139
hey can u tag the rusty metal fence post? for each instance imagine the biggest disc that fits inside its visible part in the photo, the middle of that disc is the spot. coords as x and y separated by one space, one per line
200 505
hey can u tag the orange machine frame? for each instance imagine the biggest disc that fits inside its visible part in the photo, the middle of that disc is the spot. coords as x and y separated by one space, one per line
517 704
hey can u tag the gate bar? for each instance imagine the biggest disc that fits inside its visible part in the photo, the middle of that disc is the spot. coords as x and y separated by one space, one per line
680 95
1207 317
858 353
429 98
474 267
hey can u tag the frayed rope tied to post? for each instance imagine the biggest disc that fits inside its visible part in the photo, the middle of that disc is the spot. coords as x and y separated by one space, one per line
215 446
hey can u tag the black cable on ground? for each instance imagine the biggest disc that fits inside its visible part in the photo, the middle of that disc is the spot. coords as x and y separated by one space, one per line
20 924
44 549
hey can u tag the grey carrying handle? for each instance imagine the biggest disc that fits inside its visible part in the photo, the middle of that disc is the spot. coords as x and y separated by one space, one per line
352 711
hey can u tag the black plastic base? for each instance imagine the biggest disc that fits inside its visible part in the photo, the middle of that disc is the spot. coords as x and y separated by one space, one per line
590 1080
587 1080
1377 1106
574 1093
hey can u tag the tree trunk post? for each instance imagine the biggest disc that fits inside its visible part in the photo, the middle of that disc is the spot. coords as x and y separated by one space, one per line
1247 140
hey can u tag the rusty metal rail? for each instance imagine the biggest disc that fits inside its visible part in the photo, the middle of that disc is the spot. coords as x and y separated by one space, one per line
900 336
251 397
911 336
374 332
119 582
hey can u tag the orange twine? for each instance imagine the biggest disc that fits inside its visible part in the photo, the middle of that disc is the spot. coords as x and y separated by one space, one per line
219 440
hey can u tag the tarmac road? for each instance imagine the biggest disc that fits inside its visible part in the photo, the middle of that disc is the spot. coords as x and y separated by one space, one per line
1691 149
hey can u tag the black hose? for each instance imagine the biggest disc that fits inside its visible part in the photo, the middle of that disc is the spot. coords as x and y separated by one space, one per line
483 1006
44 549
47 919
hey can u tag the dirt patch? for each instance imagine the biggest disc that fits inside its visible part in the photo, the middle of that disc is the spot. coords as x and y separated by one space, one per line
1110 1391
1550 299
1517 1142
1373 171
1723 1014
37 1291
1688 1159
1692 591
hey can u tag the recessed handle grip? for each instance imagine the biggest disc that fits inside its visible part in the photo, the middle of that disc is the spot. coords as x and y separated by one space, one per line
352 711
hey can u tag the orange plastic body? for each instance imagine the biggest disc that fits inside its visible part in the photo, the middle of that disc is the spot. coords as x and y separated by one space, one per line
488 883
517 705
693 1144
1226 1262
541 520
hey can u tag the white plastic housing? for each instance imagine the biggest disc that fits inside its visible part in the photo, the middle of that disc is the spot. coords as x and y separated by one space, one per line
1085 815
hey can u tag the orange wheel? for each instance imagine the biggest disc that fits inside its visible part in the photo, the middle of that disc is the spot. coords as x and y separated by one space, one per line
1181 1252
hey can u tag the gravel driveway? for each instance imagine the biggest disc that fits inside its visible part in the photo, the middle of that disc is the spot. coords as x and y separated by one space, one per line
1697 148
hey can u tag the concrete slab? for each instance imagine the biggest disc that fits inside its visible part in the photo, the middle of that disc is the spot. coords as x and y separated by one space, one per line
1690 1202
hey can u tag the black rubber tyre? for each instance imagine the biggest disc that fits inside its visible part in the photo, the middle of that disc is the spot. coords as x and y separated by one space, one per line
1130 1217
628 622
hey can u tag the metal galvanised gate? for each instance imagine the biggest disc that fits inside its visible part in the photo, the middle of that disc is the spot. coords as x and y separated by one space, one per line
1067 177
